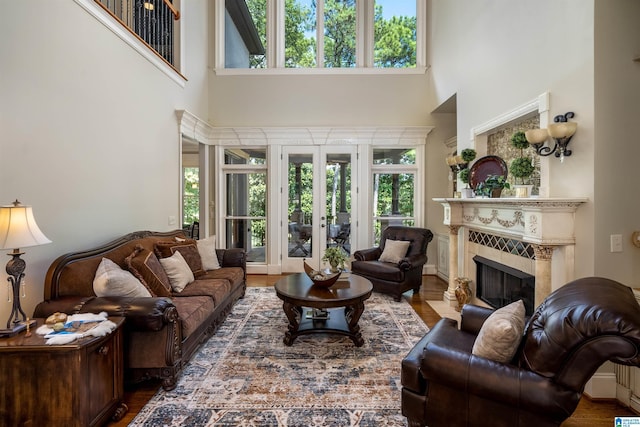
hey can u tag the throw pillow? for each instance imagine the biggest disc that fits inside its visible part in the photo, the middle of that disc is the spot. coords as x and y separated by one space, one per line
207 249
145 266
501 333
394 251
189 250
178 271
112 281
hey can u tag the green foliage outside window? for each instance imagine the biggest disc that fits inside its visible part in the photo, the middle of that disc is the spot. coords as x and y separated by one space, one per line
394 44
191 195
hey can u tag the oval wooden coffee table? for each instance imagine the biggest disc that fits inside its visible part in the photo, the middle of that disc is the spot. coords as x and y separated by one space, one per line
312 309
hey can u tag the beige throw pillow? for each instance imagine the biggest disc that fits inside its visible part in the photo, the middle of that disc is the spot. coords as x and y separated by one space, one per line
501 333
394 251
112 281
207 249
178 271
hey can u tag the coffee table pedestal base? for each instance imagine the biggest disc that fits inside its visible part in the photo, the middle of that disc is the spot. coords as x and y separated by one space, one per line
343 321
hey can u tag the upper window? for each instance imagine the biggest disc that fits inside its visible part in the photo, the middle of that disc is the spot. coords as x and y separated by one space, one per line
325 34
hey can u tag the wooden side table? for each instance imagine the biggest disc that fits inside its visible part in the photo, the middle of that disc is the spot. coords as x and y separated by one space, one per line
77 384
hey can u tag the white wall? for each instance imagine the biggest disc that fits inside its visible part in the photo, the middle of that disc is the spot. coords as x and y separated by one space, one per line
89 131
497 55
617 151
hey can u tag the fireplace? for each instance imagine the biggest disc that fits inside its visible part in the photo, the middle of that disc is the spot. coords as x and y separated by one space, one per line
499 285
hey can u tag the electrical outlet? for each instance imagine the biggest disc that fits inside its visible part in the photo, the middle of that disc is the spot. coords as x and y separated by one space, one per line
616 242
172 220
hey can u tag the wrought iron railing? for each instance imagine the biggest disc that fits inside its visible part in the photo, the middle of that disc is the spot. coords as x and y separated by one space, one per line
152 21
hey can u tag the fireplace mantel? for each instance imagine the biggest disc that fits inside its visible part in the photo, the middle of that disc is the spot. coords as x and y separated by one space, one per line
543 221
546 223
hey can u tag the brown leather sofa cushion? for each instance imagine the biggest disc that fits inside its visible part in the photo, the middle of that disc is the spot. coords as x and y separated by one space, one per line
144 264
216 289
187 248
193 311
232 274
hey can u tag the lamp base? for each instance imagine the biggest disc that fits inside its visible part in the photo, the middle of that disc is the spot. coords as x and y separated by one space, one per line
17 328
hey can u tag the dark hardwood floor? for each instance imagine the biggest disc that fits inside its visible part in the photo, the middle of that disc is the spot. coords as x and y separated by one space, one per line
589 413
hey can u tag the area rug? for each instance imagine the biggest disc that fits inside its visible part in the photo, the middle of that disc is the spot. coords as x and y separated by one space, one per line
245 375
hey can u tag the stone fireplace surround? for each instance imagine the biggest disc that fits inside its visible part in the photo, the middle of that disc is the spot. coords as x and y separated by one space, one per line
542 227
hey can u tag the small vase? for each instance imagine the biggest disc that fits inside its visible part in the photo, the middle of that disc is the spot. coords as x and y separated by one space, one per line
495 193
463 291
466 193
523 190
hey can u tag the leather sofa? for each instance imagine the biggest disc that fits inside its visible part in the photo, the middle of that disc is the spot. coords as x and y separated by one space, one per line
395 278
575 329
160 333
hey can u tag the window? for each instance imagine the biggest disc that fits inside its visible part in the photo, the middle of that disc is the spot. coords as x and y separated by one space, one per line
246 201
190 195
326 34
394 179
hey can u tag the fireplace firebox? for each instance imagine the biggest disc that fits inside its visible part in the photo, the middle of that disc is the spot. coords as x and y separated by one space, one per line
499 285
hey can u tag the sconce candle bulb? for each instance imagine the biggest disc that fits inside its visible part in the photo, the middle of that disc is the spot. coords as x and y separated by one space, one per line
561 131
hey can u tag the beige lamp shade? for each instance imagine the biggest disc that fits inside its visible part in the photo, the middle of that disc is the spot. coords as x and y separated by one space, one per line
18 228
563 129
536 136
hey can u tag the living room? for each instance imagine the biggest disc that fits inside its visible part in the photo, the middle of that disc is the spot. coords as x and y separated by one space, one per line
91 134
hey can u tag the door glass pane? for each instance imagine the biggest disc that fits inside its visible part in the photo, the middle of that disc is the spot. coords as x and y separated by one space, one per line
338 193
395 34
300 205
393 195
247 213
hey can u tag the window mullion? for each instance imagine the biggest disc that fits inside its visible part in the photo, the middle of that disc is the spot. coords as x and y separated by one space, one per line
320 33
275 33
364 33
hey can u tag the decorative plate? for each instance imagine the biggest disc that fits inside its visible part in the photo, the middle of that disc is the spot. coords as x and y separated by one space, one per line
485 166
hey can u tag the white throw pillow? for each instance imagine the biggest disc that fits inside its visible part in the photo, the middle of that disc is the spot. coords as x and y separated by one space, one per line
394 251
178 271
207 249
112 281
501 333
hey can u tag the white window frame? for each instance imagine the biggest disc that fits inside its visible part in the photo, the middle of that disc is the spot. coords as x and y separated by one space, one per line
276 48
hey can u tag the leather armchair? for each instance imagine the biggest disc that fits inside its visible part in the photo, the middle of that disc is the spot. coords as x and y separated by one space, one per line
390 278
575 330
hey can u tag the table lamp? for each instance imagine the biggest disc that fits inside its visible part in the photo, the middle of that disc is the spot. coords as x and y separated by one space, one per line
18 229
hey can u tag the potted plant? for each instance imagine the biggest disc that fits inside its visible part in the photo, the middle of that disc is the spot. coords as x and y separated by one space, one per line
521 167
464 176
492 186
467 155
336 257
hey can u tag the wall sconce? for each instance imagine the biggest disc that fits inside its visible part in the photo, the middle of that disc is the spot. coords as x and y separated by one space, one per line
561 131
456 163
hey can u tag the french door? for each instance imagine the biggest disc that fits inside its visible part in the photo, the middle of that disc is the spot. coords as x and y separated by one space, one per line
318 203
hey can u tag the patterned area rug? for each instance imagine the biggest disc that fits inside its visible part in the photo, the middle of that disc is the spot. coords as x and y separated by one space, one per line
245 376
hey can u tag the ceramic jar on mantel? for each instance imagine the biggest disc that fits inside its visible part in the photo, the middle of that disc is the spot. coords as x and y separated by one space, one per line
462 291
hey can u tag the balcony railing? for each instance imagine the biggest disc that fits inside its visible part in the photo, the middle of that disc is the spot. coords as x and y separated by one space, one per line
152 21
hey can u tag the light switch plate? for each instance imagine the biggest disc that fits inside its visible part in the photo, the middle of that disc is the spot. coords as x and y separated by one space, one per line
616 243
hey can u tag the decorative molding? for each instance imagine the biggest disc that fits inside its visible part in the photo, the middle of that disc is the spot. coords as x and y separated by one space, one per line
397 135
539 105
543 221
544 253
193 127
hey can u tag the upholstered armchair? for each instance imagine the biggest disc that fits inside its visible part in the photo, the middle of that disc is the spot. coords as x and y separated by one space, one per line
391 267
575 330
